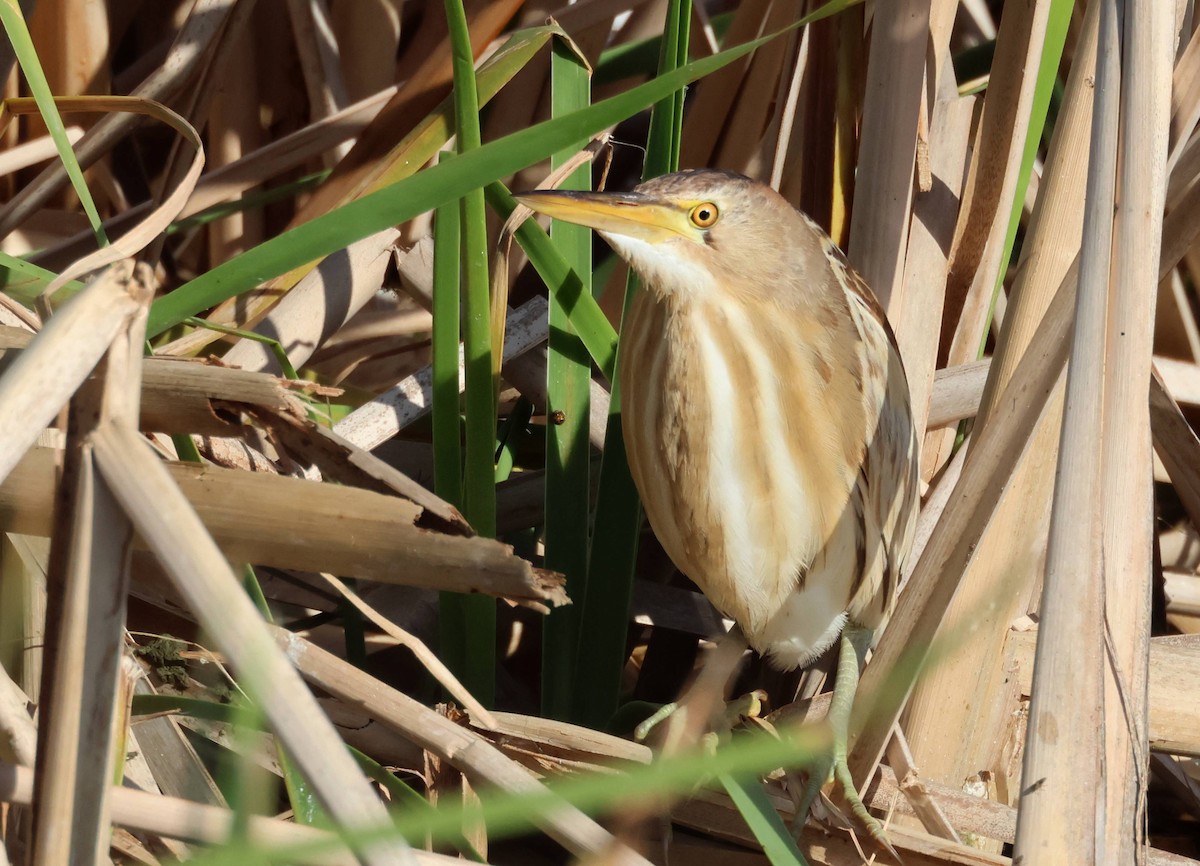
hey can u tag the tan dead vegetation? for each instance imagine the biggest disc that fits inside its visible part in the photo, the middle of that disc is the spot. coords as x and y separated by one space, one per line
1060 527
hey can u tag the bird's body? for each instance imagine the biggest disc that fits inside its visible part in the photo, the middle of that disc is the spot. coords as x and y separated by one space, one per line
771 438
765 411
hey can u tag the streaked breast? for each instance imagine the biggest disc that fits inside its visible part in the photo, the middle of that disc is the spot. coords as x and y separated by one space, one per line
746 452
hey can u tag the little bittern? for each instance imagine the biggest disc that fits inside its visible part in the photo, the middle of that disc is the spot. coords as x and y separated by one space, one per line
766 417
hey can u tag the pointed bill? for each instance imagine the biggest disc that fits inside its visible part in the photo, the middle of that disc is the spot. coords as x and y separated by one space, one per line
629 214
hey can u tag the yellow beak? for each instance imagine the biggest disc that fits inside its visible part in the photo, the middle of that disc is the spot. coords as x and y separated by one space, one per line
628 214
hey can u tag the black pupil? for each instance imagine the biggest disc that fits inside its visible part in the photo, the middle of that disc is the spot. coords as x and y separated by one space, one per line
703 215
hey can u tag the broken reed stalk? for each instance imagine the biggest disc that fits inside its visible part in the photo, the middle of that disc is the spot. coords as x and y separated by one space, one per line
202 575
34 389
240 509
88 580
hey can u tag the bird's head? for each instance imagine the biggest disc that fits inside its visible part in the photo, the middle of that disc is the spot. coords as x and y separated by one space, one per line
693 234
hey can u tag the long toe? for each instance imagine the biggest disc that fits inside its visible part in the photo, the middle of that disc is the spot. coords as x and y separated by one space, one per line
841 773
818 775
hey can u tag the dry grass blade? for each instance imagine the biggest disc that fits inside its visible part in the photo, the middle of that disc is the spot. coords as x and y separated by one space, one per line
431 662
226 182
204 25
202 575
469 752
154 223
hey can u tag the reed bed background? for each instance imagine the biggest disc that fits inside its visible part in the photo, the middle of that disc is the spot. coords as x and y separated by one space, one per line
319 543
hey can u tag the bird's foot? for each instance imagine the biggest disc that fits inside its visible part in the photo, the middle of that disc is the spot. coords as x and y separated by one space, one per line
675 714
833 768
834 772
746 707
701 709
642 731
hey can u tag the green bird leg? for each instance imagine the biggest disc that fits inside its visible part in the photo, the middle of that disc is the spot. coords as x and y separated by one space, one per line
851 655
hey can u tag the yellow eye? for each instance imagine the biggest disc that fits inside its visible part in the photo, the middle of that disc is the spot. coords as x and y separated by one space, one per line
704 215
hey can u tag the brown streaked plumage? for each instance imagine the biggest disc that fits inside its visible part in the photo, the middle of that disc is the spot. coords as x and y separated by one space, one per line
766 412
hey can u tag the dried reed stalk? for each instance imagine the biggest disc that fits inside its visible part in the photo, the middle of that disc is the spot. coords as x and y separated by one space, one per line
319 305
87 583
474 756
1063 783
175 818
373 536
1003 580
38 383
184 396
883 190
1126 458
202 575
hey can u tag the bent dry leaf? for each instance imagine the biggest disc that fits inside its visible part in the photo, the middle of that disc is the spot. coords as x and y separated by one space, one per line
156 222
